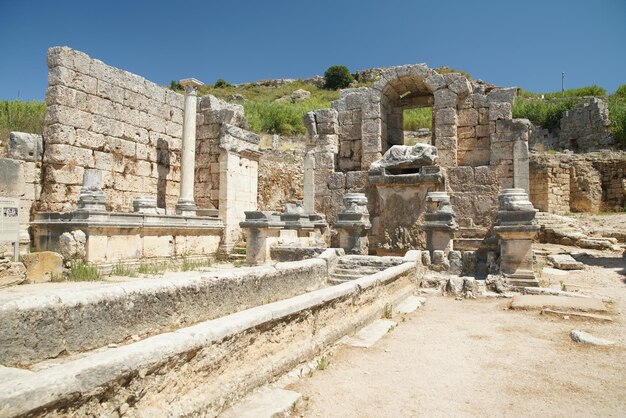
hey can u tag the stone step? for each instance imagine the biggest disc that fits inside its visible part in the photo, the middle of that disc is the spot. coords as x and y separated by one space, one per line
540 302
368 335
345 277
264 403
363 271
466 244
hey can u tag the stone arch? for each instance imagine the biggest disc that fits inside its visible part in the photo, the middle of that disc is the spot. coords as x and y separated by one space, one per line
411 86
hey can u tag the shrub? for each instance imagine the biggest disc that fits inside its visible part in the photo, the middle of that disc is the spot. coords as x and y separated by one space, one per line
81 272
175 85
579 92
620 92
337 77
617 114
221 83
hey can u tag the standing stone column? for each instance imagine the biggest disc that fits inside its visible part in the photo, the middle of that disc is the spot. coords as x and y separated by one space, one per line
186 205
309 184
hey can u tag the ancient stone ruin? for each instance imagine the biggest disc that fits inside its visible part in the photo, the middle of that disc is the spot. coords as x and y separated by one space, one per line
128 171
476 150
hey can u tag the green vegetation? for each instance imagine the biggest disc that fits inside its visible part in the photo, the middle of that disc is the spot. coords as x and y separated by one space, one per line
388 312
617 114
221 83
446 70
418 118
545 113
337 77
265 115
16 115
580 92
82 272
548 112
124 270
322 363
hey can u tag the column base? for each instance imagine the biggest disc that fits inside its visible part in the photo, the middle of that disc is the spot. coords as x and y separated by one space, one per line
522 279
186 208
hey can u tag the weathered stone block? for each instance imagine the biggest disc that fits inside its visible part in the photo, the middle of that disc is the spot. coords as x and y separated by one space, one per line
25 147
445 116
500 110
444 98
42 266
356 180
468 117
11 177
337 180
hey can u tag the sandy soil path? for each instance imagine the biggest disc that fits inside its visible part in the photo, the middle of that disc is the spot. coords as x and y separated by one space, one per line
476 358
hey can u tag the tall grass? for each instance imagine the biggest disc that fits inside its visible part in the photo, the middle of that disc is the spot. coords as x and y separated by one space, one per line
16 115
617 114
418 118
545 113
592 90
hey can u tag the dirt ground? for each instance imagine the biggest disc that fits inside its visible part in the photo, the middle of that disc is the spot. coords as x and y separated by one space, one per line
478 358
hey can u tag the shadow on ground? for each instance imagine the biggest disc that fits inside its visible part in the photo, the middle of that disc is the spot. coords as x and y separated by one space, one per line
617 264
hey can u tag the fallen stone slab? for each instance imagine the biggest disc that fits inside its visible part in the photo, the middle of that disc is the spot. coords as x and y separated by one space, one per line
540 302
558 292
581 315
264 403
411 304
368 335
565 262
553 271
586 338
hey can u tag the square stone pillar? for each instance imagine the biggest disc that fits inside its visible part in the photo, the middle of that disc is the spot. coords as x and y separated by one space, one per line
516 231
353 224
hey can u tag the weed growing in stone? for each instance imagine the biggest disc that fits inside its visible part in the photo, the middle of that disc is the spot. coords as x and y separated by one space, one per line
189 265
151 268
322 363
82 272
388 312
121 269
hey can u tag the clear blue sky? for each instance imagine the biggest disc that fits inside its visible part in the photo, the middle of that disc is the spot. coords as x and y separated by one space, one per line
525 43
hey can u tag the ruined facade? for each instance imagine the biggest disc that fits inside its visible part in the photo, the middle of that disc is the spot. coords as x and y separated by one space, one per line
481 150
130 131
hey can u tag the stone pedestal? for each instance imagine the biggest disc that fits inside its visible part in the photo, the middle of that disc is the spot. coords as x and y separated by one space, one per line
439 223
147 205
292 228
516 232
91 196
353 224
186 205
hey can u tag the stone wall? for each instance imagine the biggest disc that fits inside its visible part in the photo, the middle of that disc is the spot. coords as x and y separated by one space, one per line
578 183
585 128
101 117
212 113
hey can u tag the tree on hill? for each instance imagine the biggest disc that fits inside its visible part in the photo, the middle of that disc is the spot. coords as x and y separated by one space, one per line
337 77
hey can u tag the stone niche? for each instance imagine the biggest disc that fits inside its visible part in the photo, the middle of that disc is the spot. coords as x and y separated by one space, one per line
480 150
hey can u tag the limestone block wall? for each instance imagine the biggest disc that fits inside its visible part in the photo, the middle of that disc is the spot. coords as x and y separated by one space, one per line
549 185
101 117
212 113
578 183
585 128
